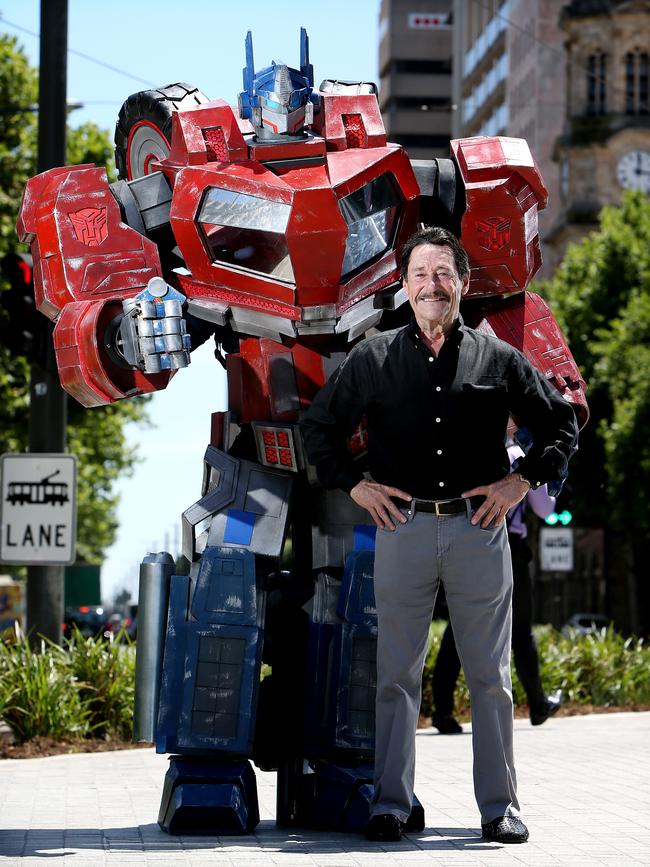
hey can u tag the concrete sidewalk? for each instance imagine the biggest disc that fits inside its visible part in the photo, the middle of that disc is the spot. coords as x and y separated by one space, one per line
584 785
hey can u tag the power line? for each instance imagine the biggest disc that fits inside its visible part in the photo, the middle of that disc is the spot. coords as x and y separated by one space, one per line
81 54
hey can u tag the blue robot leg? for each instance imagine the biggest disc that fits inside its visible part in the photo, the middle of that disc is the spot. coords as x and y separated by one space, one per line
213 641
336 784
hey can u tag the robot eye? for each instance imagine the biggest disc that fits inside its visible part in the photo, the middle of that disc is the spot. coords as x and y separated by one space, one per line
271 103
372 214
296 99
247 232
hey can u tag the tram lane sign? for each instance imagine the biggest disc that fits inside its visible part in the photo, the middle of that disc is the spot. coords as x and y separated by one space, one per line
38 514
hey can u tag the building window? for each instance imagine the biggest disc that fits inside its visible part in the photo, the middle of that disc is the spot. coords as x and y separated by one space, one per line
481 44
636 83
423 140
420 103
422 67
629 83
596 84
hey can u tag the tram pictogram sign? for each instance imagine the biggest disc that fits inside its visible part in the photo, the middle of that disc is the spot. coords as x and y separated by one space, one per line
37 508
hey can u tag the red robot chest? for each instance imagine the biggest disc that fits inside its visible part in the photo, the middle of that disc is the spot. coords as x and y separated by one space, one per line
297 238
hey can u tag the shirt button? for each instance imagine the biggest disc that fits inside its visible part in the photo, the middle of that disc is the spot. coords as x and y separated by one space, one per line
441 484
438 388
439 451
437 420
431 358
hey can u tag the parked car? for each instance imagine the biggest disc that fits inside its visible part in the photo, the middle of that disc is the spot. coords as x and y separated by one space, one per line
585 624
91 620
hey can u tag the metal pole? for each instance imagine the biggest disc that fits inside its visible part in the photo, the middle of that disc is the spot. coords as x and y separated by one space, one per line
153 599
47 420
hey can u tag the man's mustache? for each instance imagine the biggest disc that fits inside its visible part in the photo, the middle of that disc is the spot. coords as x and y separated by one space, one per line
438 295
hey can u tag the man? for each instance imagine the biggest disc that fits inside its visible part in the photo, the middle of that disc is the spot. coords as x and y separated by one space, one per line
437 396
524 646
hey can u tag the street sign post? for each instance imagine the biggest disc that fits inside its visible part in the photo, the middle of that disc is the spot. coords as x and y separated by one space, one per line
556 549
38 508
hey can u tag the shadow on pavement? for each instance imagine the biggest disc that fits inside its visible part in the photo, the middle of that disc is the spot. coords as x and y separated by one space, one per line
55 843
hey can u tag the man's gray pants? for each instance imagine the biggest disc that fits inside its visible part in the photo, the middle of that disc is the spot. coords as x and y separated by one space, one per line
475 568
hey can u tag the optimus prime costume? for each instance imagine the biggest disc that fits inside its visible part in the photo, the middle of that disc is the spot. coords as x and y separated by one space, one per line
276 228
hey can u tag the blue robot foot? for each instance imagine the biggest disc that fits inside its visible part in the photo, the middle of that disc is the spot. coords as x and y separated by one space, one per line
337 798
208 796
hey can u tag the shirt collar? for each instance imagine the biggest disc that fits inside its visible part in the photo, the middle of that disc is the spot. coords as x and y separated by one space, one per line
455 336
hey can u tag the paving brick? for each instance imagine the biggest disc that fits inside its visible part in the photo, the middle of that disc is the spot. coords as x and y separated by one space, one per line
582 784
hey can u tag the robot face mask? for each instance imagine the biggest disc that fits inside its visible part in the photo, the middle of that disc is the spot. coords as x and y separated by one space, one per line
278 99
283 109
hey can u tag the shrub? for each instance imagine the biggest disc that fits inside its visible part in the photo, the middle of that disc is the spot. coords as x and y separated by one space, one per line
83 689
38 692
105 675
604 669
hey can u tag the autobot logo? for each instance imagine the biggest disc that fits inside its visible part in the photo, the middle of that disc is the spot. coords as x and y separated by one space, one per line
493 233
90 226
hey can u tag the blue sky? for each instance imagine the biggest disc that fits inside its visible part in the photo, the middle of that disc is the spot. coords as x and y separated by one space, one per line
201 43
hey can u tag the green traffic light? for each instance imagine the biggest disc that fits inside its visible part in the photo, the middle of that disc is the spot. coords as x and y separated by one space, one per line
563 518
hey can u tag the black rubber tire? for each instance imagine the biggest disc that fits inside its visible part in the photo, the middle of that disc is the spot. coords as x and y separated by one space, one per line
151 111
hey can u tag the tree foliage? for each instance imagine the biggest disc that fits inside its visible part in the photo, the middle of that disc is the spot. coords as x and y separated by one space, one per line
96 436
601 296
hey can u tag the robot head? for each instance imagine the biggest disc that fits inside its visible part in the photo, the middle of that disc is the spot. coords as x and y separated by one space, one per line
278 99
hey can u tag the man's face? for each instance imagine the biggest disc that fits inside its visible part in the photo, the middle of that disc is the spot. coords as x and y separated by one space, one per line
434 287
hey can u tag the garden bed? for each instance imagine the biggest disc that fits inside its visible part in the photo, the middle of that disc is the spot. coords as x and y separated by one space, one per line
79 697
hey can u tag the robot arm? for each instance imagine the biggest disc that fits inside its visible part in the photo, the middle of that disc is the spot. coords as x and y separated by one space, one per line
87 261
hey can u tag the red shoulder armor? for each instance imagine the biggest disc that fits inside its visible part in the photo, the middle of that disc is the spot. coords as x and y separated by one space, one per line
504 191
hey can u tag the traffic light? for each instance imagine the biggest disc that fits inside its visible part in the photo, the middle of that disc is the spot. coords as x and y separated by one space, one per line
564 517
563 513
22 328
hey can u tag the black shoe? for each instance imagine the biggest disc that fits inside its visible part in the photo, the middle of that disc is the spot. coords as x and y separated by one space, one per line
385 828
415 823
552 704
446 725
505 829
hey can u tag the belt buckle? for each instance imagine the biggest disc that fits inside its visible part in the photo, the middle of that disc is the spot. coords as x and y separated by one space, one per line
437 505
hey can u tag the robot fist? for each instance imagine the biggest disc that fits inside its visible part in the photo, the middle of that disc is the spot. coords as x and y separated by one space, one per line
152 333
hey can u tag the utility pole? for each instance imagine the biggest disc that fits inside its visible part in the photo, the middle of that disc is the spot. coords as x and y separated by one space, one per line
47 417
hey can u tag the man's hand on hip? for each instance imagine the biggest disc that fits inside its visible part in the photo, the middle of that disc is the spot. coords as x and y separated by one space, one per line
499 498
376 499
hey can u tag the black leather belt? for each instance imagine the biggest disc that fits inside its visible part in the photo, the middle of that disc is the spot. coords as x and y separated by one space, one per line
443 507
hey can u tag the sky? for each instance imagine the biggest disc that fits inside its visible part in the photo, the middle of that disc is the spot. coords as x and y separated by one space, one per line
202 43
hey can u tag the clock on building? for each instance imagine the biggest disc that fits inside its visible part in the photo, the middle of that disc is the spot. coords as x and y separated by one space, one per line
633 171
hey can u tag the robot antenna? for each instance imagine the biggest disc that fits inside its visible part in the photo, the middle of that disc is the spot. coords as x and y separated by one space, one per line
306 68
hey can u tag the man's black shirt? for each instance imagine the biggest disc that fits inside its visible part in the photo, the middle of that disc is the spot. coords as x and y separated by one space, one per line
437 426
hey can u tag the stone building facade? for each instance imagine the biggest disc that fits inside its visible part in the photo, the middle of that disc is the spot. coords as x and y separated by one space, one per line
605 145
